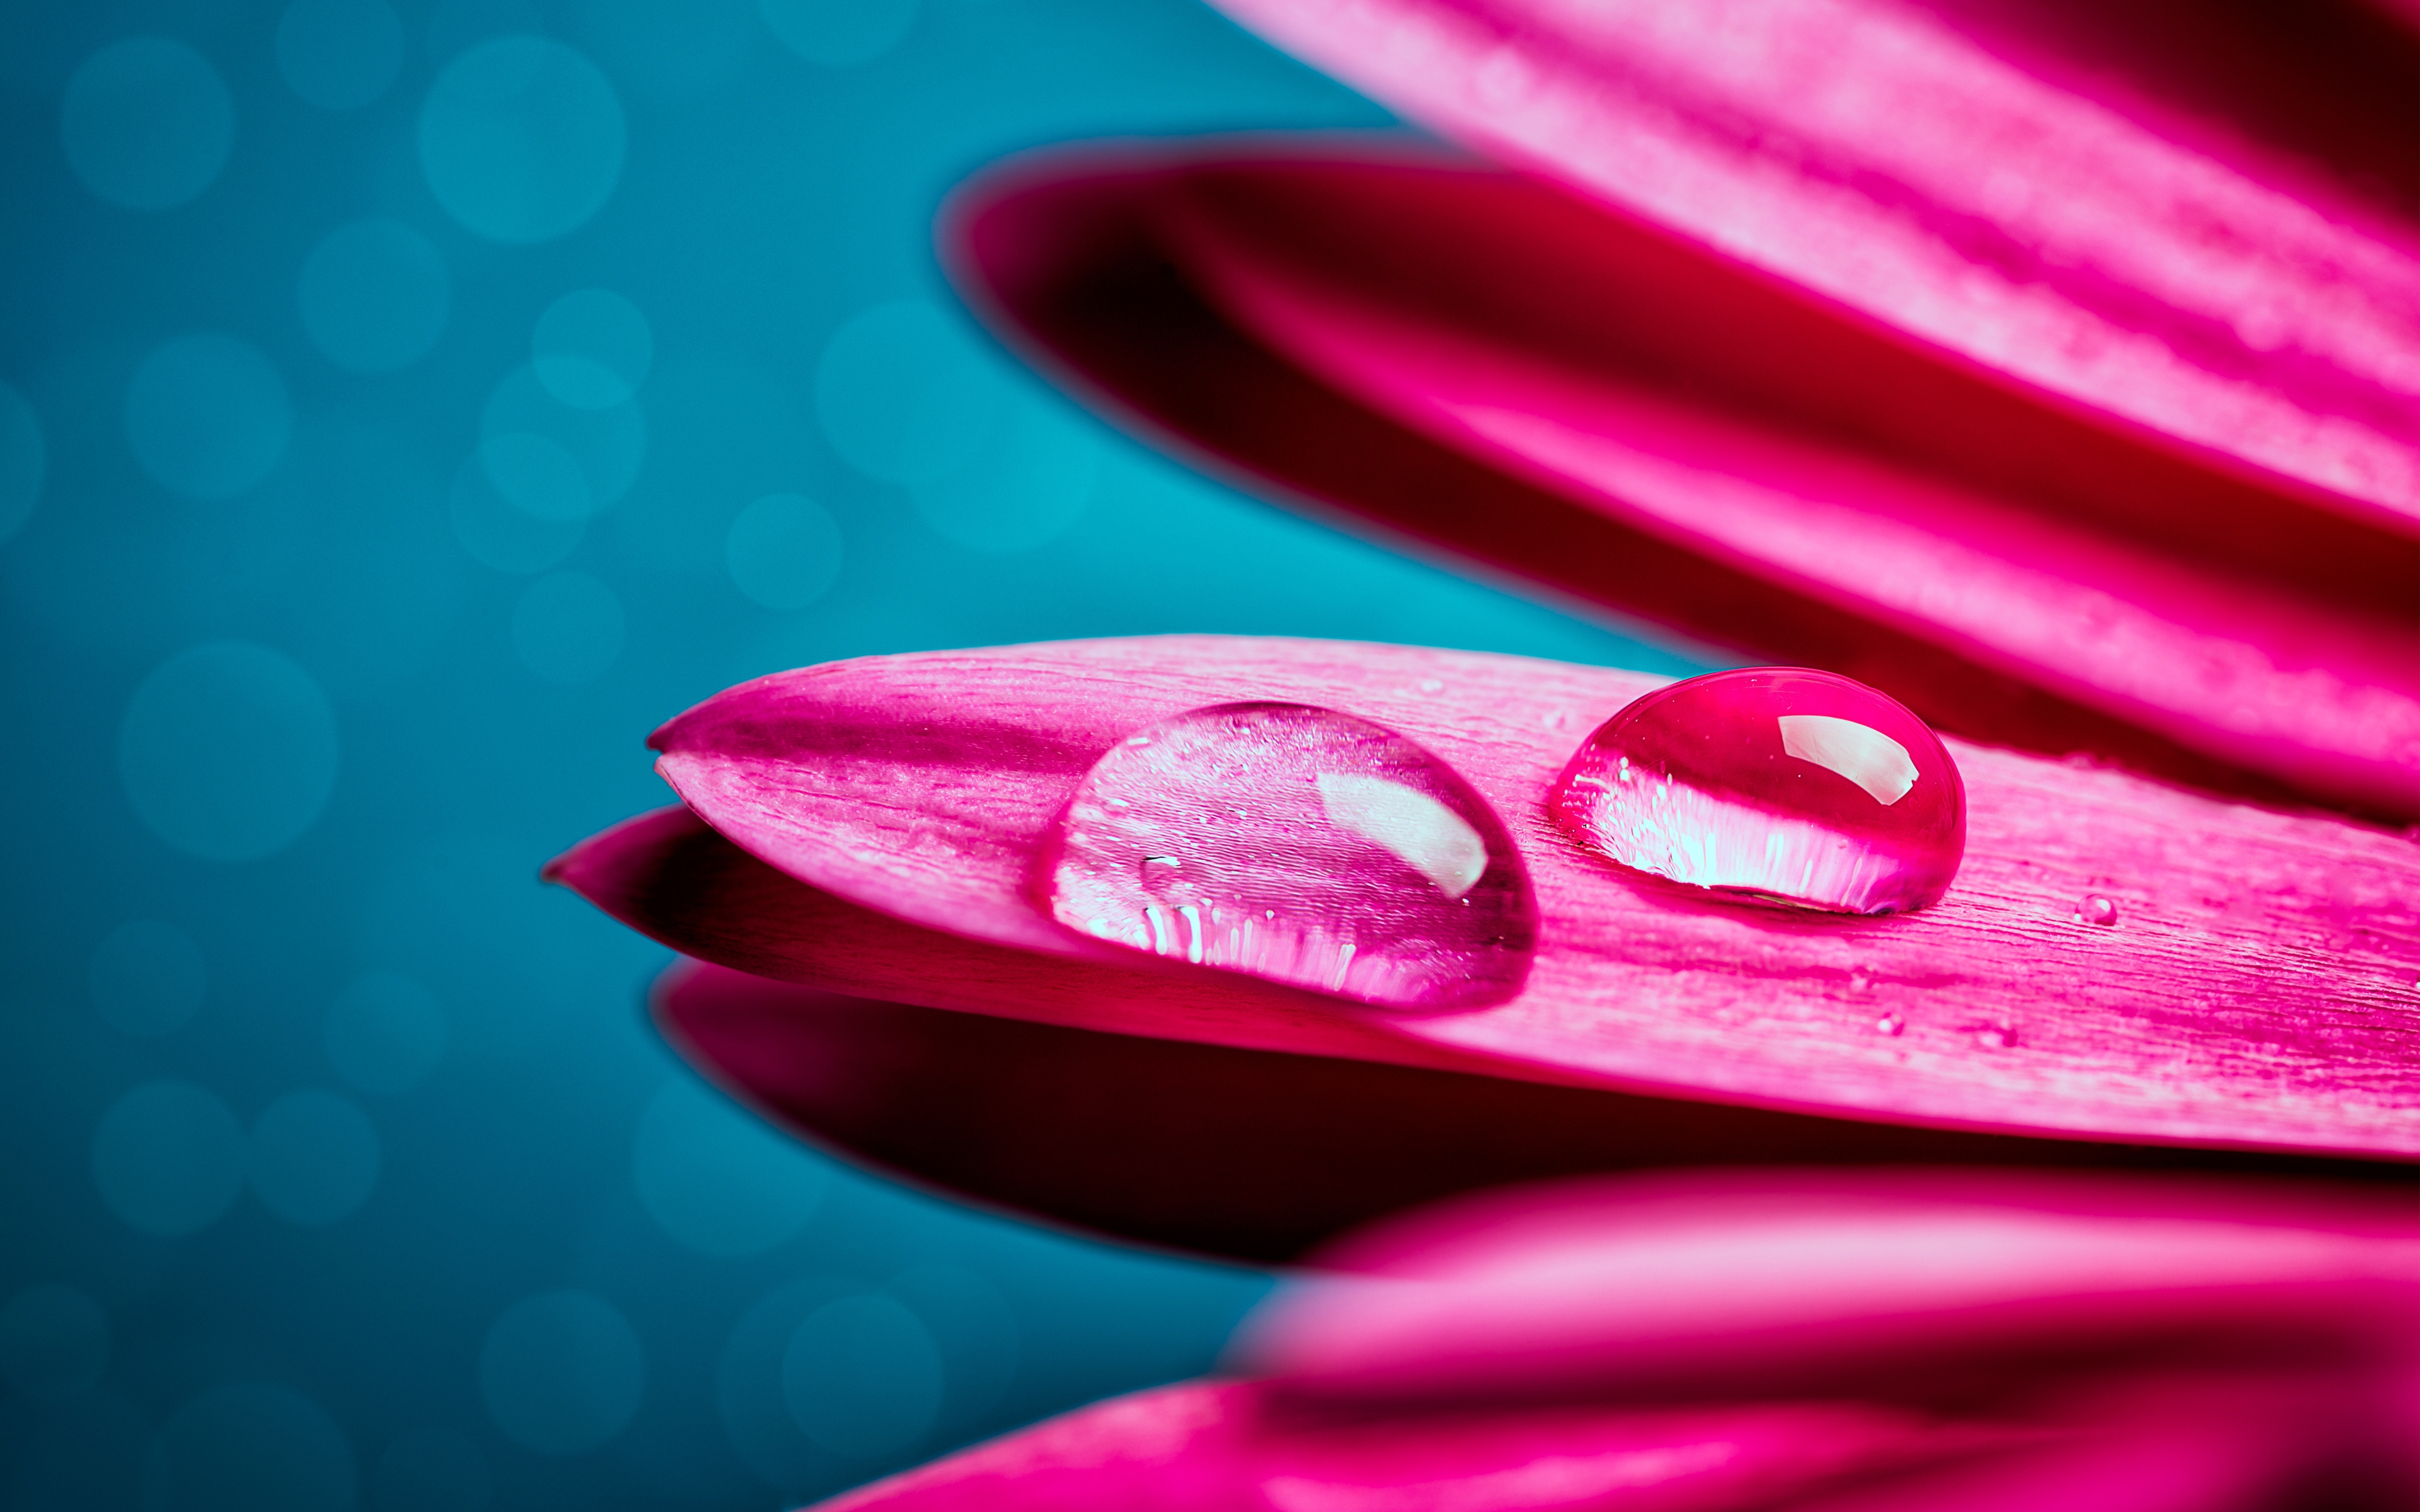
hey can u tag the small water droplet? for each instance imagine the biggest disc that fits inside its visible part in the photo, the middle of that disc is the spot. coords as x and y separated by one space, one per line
1773 784
2096 909
1359 864
1891 1024
1996 1036
1431 684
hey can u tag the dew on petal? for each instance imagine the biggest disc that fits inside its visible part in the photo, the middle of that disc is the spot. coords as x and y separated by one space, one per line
1773 784
1891 1024
1301 845
2096 909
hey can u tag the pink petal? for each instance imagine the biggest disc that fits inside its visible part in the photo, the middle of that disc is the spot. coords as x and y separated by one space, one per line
1973 183
1217 1447
1244 1153
1645 1287
1517 377
2258 989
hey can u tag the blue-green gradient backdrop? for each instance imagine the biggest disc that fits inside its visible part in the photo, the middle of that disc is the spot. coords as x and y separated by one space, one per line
405 405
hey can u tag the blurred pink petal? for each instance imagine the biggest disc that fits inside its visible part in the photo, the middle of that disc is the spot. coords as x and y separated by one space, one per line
2257 992
1878 1343
1487 364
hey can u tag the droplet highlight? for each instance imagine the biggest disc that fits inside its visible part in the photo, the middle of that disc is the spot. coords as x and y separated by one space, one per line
1773 784
1300 845
1890 1026
2095 909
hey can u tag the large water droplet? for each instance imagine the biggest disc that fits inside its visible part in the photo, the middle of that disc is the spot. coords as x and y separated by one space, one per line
1773 784
2096 909
1301 845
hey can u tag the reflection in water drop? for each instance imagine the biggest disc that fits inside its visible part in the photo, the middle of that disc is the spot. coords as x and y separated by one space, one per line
1773 784
1301 845
1891 1024
1996 1036
2096 909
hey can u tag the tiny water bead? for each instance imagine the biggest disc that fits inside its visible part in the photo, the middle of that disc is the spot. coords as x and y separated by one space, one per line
1773 784
2095 909
1300 845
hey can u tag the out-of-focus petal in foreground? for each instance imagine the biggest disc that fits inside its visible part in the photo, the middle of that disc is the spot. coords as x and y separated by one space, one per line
1970 1341
872 829
1898 340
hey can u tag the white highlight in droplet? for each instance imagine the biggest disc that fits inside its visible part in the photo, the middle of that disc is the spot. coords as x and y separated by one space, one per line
1429 837
1861 753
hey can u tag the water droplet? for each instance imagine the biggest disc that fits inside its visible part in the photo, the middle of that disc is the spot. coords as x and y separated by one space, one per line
1997 1037
1891 1024
1366 867
2095 909
1773 784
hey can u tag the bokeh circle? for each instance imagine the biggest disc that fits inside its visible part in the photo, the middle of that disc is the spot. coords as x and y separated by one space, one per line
431 1470
228 751
562 1373
375 296
839 32
313 1158
521 139
168 1158
568 628
147 978
146 123
250 1445
53 1342
1027 483
720 1181
592 348
903 396
207 416
863 1377
385 1033
24 461
339 54
784 552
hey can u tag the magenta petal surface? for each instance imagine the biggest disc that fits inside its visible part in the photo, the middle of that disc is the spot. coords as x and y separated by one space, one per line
1960 1342
1959 173
1773 783
2256 990
1647 1286
1299 844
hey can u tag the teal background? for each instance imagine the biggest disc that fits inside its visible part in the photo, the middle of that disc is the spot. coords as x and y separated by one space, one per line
340 1168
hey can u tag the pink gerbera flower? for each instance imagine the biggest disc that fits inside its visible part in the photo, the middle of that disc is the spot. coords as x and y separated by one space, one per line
2055 373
